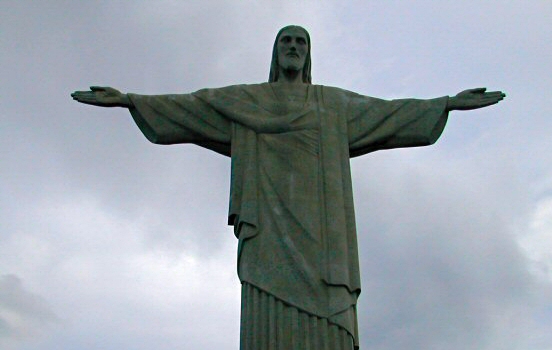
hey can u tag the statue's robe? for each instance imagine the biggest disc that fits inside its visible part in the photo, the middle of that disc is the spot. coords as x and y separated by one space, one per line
291 200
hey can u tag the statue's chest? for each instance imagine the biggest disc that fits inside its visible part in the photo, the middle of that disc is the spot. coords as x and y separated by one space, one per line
290 100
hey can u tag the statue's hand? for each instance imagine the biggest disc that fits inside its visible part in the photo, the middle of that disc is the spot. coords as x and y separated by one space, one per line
474 98
102 96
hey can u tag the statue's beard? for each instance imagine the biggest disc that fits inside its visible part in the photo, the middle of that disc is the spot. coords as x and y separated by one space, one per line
291 64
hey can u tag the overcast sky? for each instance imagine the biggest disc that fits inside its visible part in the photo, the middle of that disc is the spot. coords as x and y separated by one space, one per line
110 242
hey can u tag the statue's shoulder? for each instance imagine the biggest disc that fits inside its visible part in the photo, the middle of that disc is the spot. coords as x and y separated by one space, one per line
228 88
230 91
335 95
341 91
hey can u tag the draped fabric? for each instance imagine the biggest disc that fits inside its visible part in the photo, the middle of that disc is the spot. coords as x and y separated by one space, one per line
270 324
291 200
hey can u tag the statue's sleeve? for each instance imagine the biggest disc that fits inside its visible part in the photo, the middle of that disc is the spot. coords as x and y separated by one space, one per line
376 124
183 118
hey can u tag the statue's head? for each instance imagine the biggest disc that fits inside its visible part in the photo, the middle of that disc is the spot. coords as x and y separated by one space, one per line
290 52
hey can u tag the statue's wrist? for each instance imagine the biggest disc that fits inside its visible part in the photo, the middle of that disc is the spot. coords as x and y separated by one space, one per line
452 103
125 101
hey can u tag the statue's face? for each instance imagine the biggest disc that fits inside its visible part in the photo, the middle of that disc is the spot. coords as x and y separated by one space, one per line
292 49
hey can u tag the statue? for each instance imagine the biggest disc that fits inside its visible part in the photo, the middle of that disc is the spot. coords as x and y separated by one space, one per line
291 201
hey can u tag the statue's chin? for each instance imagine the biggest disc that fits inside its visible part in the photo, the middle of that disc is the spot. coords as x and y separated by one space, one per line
292 67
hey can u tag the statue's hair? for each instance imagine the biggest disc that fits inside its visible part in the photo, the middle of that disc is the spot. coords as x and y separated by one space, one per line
274 65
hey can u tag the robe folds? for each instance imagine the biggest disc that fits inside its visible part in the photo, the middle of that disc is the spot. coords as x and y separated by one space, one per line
291 200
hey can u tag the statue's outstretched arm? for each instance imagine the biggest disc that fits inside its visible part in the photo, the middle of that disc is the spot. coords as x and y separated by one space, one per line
474 98
102 96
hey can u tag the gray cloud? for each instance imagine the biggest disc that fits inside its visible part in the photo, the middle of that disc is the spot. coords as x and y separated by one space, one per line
458 280
23 315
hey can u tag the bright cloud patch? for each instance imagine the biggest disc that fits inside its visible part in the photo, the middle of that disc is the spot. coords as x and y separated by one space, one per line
537 242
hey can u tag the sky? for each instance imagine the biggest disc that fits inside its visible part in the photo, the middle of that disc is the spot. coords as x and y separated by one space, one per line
110 242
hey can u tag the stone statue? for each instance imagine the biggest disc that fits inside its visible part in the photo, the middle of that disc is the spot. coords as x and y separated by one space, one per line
291 199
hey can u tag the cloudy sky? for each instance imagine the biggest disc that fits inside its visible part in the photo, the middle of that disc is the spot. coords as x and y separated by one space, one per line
110 242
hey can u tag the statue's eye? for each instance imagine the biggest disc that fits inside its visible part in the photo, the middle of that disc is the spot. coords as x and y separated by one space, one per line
286 39
301 41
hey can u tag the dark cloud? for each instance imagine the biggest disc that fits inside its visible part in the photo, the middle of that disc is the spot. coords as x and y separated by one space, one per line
23 315
456 281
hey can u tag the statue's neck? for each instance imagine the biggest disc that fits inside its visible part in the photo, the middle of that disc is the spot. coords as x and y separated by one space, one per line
290 76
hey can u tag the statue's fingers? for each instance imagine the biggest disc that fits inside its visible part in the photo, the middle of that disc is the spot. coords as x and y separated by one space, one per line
87 96
85 100
82 95
78 93
494 93
492 97
479 90
76 96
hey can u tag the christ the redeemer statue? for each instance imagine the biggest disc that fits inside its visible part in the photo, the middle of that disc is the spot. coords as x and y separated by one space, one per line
291 200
